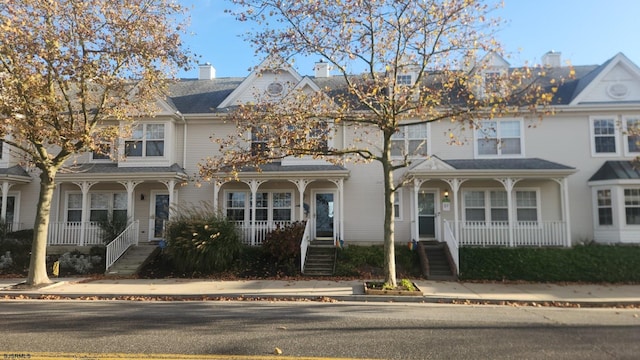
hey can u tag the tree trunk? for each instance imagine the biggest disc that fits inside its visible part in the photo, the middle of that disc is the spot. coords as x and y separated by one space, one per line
389 224
38 265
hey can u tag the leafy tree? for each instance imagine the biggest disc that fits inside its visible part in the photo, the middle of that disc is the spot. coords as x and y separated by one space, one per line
434 40
67 66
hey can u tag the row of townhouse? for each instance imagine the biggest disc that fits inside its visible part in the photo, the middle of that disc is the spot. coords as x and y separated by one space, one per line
513 181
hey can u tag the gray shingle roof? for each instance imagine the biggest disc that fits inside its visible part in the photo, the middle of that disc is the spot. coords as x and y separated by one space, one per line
112 168
617 170
201 96
506 164
15 170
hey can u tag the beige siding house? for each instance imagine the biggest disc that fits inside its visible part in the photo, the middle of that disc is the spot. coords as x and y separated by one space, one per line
519 181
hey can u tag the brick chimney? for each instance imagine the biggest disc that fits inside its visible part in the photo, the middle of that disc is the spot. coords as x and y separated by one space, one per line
207 72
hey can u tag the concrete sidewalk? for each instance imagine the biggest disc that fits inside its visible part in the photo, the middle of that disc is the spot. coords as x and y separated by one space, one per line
343 290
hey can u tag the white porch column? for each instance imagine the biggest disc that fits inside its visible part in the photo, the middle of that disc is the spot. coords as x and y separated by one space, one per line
508 184
301 184
171 185
130 185
564 202
340 185
253 185
5 193
84 187
455 184
217 184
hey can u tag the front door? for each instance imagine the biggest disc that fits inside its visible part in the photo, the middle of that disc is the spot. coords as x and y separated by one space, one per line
427 214
160 214
324 214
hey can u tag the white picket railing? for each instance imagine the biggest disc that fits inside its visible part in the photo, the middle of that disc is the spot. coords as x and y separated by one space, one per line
452 244
75 233
262 229
304 245
525 233
126 239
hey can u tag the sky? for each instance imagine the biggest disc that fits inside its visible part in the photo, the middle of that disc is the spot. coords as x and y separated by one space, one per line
586 32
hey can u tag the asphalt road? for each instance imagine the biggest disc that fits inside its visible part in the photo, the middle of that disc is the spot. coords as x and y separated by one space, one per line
346 330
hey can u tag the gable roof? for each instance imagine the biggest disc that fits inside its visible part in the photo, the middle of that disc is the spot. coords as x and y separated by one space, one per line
590 80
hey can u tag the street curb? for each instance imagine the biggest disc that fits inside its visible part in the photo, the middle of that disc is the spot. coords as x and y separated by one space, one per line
318 298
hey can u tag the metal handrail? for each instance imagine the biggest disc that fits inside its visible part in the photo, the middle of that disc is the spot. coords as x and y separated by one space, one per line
304 245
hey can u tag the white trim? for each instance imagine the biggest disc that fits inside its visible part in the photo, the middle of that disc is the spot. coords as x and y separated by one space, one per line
312 210
405 138
592 135
168 143
436 211
618 59
487 203
152 211
16 205
625 134
270 208
397 197
498 130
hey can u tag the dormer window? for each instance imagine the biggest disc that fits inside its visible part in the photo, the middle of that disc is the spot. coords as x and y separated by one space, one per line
404 79
492 82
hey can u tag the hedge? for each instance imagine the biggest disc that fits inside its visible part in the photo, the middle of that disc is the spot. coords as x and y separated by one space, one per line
585 263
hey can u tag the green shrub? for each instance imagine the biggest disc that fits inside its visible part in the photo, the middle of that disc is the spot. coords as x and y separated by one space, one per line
16 246
283 245
369 261
111 227
592 263
200 240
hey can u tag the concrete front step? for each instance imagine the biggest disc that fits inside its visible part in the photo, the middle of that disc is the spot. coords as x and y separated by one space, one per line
132 260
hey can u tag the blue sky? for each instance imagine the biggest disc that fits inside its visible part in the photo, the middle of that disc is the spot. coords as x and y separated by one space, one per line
586 32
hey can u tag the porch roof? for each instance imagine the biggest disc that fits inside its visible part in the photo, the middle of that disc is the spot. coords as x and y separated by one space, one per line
276 170
112 172
528 167
616 170
15 173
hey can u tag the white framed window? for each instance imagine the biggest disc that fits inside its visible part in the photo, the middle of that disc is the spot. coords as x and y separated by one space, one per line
604 137
74 207
605 207
491 206
411 140
632 206
499 138
259 140
631 134
235 204
270 206
404 79
103 206
397 204
147 140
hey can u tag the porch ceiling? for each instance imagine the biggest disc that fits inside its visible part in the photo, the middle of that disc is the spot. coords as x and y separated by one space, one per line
491 168
111 172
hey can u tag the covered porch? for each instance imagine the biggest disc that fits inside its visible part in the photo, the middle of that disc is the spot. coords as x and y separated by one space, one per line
92 194
10 202
278 195
491 202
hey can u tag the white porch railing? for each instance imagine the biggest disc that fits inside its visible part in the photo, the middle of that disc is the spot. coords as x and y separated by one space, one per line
262 229
75 233
120 244
525 233
452 244
304 245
